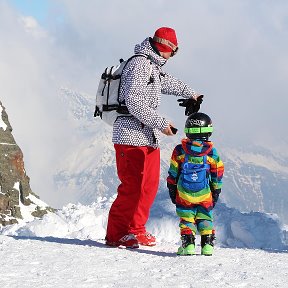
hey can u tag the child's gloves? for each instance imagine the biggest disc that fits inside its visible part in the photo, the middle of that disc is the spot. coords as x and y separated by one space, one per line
215 196
172 192
192 105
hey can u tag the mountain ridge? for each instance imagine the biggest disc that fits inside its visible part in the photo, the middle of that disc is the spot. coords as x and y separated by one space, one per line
253 180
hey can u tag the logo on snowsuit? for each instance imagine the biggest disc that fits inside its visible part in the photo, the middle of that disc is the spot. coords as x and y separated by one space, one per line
194 176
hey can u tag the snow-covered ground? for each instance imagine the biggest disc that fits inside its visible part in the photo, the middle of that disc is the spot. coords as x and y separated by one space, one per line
58 262
67 249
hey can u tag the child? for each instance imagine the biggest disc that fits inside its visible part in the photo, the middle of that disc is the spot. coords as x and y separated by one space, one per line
194 183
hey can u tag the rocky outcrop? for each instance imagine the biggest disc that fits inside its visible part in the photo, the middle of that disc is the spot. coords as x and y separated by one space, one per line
17 201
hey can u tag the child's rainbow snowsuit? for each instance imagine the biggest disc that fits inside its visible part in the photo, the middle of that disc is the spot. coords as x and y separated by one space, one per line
195 209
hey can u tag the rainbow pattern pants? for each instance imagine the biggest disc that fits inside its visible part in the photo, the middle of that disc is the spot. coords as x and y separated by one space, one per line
195 218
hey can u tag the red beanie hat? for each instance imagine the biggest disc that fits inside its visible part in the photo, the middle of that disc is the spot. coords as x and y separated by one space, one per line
165 39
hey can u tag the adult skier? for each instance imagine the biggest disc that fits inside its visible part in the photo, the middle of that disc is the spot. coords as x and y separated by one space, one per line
136 138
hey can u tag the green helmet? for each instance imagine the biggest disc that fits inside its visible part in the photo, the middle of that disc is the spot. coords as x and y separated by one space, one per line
198 126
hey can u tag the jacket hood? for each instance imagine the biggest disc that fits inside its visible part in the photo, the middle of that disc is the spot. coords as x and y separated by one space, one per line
197 147
146 48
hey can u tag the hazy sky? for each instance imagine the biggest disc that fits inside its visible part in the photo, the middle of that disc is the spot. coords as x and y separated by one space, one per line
234 52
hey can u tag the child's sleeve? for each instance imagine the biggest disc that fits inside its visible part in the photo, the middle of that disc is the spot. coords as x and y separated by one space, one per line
173 173
175 166
216 170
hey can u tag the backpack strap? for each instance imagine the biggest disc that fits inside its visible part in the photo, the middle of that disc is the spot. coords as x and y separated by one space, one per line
104 77
205 159
150 72
205 162
109 82
145 56
207 166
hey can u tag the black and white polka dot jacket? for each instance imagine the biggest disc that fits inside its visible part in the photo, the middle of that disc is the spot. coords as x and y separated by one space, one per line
142 95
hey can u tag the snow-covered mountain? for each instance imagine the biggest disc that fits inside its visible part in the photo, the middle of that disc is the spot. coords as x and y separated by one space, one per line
256 179
17 200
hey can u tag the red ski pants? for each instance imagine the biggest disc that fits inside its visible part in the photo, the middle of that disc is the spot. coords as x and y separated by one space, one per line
139 171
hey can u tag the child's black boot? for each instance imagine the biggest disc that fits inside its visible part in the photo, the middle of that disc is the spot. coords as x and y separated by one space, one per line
188 245
207 244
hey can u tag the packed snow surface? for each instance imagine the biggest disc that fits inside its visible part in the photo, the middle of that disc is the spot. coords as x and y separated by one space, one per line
58 262
67 249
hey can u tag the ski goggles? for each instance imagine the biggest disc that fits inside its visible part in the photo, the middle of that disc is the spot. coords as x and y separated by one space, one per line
167 43
198 130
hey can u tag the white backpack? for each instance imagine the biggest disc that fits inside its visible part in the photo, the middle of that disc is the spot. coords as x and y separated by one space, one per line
108 106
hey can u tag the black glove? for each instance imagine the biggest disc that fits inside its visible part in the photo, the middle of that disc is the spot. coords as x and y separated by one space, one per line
192 105
215 196
172 192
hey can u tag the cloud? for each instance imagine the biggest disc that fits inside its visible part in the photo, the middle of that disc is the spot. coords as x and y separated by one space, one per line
31 25
29 90
234 52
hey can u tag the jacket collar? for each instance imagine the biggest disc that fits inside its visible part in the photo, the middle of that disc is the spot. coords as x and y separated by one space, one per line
146 48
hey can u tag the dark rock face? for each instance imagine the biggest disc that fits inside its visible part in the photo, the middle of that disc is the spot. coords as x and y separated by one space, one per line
16 197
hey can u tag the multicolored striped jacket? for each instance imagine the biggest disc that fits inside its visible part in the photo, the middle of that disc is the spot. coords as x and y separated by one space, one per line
195 150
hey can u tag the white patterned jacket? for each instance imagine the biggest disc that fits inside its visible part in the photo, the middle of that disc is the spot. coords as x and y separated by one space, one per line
142 98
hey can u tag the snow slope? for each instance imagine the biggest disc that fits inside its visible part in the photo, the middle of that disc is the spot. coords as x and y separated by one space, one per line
57 262
67 249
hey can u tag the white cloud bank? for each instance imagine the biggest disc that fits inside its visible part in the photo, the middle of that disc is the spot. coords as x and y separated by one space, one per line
235 52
